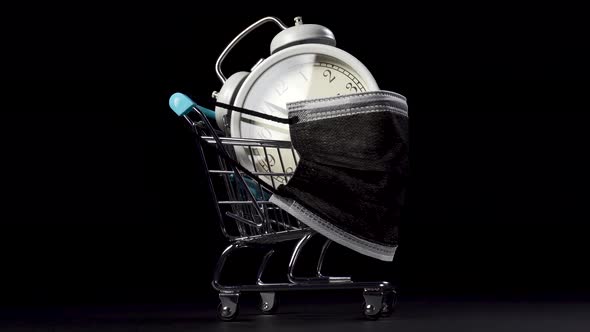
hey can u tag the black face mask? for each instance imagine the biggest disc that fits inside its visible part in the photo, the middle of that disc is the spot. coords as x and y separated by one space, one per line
353 168
350 182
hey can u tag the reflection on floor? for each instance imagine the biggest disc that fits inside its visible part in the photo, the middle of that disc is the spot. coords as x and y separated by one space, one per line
325 316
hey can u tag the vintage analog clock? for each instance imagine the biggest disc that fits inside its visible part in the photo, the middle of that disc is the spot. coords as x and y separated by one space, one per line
304 64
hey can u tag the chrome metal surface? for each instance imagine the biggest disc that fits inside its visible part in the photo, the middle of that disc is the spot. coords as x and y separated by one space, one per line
255 211
263 266
249 141
319 278
268 301
373 302
302 34
239 37
228 307
226 95
322 256
389 303
256 64
295 256
250 221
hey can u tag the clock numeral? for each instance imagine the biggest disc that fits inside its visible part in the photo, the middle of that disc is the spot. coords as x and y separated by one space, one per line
265 133
267 166
351 88
281 88
328 74
263 165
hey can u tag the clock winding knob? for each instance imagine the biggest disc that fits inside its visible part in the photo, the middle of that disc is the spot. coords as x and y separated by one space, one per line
302 34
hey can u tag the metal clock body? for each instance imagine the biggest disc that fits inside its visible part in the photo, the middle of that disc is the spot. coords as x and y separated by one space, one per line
305 64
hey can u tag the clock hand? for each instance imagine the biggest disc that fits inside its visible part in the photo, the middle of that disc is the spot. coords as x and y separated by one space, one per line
276 107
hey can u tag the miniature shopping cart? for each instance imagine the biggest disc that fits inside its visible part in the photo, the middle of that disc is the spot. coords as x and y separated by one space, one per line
249 220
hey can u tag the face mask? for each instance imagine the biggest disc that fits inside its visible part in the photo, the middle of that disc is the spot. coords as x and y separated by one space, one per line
350 181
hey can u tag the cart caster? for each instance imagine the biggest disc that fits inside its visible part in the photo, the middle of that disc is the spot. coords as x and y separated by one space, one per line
269 303
373 304
389 303
228 309
370 312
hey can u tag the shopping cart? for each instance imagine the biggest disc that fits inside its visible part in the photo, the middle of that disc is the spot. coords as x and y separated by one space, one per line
249 220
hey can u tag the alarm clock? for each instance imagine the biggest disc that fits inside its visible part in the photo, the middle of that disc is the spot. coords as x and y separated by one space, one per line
304 63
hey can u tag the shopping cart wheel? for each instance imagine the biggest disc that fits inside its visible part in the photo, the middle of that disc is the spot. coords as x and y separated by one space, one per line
269 303
225 314
228 309
389 303
373 304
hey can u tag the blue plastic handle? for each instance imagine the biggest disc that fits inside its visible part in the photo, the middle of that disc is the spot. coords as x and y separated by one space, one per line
181 105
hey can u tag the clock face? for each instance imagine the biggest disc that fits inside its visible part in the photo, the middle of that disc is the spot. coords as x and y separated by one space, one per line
295 78
301 77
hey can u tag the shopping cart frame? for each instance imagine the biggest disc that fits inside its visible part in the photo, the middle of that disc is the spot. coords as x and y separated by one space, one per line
379 297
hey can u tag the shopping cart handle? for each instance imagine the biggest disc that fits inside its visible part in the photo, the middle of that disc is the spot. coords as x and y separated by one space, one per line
181 105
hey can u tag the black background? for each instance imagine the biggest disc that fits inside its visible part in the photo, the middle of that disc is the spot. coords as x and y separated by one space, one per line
103 197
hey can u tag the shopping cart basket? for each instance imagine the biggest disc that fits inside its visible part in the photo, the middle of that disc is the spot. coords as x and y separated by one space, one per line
249 220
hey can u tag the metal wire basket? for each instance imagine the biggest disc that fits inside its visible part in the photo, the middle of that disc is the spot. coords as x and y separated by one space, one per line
248 219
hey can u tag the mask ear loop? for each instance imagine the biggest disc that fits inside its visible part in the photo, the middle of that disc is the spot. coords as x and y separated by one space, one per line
289 121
